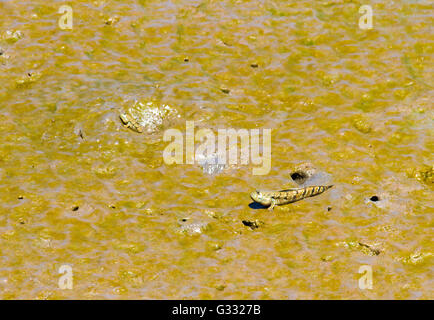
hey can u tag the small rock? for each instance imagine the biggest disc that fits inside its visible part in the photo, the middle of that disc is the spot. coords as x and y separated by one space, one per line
220 287
252 224
147 117
326 258
374 251
112 20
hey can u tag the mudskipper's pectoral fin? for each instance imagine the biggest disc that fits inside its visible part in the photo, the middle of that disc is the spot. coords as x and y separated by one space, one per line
272 205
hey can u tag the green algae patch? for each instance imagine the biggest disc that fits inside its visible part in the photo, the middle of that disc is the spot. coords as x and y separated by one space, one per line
362 125
424 174
78 188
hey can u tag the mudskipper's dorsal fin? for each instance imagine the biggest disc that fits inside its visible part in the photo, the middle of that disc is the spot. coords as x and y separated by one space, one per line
291 189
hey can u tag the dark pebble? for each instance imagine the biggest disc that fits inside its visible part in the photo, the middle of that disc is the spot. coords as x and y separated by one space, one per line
224 90
251 224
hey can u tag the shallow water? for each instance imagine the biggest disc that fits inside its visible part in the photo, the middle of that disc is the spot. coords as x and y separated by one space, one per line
77 188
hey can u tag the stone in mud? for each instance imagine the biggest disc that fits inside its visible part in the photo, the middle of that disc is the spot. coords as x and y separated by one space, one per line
130 123
220 287
111 21
150 116
225 90
253 224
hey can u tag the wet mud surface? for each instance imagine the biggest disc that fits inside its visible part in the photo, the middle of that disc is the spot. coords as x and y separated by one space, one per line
79 188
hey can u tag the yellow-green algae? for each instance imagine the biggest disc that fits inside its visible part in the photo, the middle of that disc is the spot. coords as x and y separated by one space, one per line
356 103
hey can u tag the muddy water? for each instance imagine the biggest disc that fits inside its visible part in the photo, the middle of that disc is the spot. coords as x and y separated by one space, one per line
79 189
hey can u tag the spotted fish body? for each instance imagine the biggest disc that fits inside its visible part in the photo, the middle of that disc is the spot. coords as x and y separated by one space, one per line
271 199
130 122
